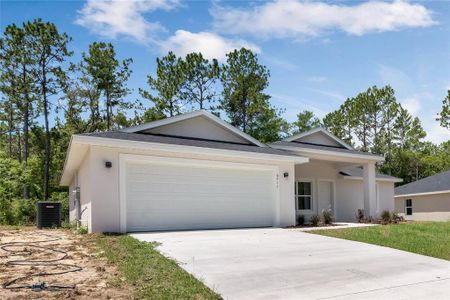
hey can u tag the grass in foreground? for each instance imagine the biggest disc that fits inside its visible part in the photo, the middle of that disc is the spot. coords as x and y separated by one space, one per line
153 275
427 238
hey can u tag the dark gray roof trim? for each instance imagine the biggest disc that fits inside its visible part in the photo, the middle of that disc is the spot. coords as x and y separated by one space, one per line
321 147
139 137
314 144
435 183
358 172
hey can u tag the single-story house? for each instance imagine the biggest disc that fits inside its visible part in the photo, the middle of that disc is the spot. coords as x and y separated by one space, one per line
196 171
427 199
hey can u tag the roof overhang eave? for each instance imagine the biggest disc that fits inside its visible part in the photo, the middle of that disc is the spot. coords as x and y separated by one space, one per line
118 143
327 154
394 180
422 194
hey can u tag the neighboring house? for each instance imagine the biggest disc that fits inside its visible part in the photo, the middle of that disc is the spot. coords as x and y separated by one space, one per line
427 199
196 171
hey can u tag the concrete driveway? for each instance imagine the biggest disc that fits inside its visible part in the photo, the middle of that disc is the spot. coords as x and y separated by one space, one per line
289 264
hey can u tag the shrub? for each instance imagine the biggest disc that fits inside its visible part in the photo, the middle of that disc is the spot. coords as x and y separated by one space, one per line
6 215
82 230
396 218
386 216
327 216
360 215
315 219
300 220
24 211
68 225
17 211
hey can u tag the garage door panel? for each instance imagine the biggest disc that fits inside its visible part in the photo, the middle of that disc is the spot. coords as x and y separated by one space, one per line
168 196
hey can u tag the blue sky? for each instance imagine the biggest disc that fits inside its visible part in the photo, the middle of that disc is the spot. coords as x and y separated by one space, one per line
318 53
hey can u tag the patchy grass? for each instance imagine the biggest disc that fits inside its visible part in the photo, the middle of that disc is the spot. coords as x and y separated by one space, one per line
427 238
153 275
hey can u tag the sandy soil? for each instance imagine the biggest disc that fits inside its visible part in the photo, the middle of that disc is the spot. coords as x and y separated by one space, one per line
93 281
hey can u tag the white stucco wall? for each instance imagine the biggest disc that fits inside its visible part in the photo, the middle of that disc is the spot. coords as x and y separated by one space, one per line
350 198
386 197
72 211
82 179
349 193
426 207
315 171
104 185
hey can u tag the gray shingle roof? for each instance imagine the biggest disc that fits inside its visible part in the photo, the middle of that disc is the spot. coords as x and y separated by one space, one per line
435 183
321 147
140 137
358 172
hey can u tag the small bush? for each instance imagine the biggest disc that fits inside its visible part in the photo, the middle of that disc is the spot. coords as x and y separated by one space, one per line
315 219
327 216
386 216
396 218
360 215
82 230
68 225
300 220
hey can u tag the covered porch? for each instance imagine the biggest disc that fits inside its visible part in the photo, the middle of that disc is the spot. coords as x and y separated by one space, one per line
322 185
337 177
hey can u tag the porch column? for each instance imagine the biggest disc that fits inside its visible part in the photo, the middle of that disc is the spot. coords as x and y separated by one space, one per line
369 189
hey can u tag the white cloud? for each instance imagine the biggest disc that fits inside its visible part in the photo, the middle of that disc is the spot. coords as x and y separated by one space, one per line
211 45
330 94
436 133
280 62
294 105
412 105
299 19
316 79
395 77
122 17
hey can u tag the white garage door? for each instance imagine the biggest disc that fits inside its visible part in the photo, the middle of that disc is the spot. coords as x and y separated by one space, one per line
176 194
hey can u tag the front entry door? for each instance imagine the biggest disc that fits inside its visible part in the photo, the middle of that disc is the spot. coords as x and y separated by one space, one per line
326 194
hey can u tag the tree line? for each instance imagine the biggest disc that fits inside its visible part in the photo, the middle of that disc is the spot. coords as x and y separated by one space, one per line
46 97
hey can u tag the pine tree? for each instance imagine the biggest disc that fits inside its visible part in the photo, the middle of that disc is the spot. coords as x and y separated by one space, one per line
444 115
49 52
199 85
167 85
306 120
108 76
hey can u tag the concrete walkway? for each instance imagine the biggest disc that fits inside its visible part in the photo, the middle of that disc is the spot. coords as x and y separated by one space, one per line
290 264
337 225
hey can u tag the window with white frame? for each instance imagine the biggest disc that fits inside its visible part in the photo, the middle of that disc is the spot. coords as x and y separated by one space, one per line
303 194
408 207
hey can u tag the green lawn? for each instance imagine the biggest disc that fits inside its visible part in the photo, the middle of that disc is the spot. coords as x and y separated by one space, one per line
427 238
153 275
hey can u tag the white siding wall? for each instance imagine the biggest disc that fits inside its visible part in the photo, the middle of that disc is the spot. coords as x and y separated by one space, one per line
105 185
